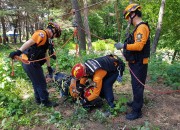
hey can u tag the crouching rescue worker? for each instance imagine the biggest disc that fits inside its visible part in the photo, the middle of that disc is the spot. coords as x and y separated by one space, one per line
136 50
103 71
36 48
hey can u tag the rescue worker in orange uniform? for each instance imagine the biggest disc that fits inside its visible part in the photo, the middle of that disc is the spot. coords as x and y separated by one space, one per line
36 48
103 71
136 50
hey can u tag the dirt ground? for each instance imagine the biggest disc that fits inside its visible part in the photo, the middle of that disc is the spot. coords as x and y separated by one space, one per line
161 111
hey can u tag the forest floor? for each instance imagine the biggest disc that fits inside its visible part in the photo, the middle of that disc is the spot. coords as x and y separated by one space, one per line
160 111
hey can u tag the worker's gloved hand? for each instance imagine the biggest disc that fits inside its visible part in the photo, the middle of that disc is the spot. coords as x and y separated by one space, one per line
119 78
80 88
118 45
84 101
15 53
53 57
50 70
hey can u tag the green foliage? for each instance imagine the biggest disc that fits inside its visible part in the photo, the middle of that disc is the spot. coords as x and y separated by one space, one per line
80 113
161 71
94 20
146 126
102 45
120 106
55 117
173 74
63 57
99 116
170 37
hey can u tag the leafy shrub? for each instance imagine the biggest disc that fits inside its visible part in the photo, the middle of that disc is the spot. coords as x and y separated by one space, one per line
102 45
161 69
99 116
157 68
120 106
173 74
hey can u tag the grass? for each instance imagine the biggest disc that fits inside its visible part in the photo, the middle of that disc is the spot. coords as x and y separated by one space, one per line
17 107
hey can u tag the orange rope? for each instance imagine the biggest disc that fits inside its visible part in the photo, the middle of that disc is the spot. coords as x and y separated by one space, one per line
28 62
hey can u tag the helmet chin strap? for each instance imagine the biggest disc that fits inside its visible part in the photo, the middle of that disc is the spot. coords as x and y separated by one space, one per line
132 18
52 33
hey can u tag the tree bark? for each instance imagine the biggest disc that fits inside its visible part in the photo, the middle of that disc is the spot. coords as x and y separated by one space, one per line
4 30
20 23
86 25
81 33
117 19
158 29
27 27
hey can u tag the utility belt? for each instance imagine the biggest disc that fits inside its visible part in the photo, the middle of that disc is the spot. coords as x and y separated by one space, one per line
34 53
133 57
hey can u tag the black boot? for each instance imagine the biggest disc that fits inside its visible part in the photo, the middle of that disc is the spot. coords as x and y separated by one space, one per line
133 115
49 103
38 101
129 104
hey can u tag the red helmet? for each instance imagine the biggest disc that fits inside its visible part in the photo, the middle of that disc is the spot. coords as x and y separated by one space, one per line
88 91
57 28
78 71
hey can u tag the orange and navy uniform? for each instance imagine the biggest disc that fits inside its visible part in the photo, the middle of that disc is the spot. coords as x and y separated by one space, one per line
98 80
140 48
103 71
40 37
140 36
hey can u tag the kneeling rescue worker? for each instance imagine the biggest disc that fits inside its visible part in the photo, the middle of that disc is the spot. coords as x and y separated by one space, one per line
34 49
103 71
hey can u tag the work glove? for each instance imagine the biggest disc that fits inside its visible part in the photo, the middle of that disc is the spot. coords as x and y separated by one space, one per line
80 88
53 57
50 70
119 78
84 101
118 45
15 53
98 102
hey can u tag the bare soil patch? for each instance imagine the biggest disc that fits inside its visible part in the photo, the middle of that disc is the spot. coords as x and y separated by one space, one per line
160 111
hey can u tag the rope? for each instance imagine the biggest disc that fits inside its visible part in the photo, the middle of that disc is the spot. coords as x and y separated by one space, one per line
70 12
28 62
145 86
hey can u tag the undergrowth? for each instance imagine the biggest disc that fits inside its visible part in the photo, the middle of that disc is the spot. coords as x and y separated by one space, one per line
17 106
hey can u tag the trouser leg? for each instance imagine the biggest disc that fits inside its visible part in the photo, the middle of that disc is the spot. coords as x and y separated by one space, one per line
36 75
140 71
107 88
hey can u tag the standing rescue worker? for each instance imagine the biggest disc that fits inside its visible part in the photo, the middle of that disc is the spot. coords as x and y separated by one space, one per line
103 71
36 48
136 50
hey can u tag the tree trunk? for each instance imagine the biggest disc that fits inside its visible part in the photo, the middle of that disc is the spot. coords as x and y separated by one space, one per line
158 29
81 33
4 31
20 23
27 28
15 30
86 24
117 19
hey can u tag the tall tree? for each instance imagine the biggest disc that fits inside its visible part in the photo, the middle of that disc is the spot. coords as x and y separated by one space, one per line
4 29
81 33
86 25
159 25
117 18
